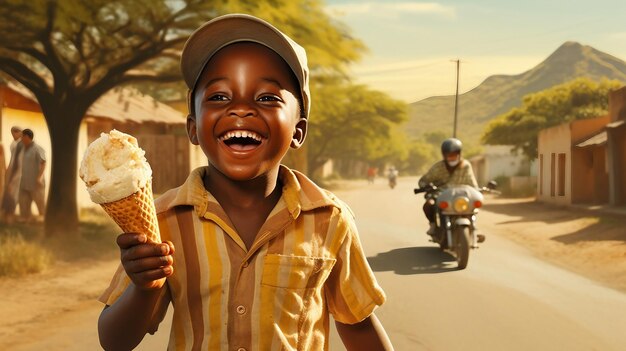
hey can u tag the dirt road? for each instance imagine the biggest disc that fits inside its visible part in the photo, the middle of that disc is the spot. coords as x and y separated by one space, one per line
511 296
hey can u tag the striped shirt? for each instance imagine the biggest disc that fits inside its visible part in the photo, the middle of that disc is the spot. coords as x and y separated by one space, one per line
440 176
305 262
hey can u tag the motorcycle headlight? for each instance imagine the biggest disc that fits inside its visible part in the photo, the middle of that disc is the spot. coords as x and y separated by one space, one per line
461 204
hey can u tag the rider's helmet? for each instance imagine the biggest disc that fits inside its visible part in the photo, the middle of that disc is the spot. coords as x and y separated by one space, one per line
451 145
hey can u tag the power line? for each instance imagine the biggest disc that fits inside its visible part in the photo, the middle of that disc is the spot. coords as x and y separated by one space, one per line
399 69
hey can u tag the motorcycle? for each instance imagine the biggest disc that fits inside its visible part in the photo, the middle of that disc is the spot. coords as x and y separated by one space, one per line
456 211
393 177
392 182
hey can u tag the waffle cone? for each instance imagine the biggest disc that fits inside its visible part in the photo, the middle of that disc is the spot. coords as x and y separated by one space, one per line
136 213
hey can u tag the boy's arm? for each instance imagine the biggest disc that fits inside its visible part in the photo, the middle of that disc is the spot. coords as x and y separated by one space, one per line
368 334
123 325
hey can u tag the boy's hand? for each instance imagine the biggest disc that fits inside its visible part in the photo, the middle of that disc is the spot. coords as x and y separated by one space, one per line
146 264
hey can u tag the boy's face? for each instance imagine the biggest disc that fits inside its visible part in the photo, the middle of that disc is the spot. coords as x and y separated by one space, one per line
247 113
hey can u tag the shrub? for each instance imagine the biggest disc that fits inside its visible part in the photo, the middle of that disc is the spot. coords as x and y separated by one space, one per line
19 257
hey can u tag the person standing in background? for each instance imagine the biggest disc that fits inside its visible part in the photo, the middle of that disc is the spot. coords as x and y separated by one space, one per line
371 174
32 184
12 176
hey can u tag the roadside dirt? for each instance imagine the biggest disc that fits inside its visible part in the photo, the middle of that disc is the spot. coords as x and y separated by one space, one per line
33 307
589 243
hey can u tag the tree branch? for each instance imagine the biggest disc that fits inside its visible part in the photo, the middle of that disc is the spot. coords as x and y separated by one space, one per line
24 75
80 48
30 51
173 54
55 65
173 42
117 72
127 78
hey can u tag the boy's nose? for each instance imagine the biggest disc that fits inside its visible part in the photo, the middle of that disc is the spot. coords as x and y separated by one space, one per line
241 108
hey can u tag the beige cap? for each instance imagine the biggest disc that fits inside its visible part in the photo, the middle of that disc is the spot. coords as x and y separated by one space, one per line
228 29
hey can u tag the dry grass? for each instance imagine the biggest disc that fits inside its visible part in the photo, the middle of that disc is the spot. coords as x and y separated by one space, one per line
25 250
19 256
96 239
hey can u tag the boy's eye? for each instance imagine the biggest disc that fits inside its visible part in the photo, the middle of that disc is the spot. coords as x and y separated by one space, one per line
267 98
217 97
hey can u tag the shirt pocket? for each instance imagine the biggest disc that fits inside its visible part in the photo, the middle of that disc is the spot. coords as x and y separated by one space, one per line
295 272
292 296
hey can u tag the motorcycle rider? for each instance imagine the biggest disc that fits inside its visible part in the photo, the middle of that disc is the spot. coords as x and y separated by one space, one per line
452 170
392 175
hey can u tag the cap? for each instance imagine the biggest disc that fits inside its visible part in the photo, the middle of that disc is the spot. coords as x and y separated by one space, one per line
228 29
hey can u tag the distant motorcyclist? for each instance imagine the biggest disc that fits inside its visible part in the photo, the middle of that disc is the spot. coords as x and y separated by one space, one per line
452 170
392 175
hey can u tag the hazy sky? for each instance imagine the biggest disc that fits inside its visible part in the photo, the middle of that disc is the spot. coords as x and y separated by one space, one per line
411 43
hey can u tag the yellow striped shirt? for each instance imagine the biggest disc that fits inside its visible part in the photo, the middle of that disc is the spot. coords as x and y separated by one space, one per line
305 262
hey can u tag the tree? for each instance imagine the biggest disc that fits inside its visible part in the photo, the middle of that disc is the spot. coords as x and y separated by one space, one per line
351 122
68 53
421 157
436 138
577 99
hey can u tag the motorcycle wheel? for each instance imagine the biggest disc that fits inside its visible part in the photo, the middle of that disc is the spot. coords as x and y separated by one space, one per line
461 246
442 241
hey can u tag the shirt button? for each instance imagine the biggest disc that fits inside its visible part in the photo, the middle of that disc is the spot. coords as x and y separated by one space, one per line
245 264
241 349
241 309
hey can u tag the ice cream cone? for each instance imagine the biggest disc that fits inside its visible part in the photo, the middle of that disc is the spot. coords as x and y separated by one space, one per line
119 178
136 213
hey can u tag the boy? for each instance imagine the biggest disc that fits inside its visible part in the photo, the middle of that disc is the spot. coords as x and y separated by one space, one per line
255 255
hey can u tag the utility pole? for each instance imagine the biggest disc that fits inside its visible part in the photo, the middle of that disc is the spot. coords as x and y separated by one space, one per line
456 96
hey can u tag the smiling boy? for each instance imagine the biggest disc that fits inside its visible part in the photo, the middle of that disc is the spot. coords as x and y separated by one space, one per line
255 255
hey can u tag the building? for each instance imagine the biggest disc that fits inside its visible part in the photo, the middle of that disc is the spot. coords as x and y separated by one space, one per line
498 161
584 162
160 131
616 147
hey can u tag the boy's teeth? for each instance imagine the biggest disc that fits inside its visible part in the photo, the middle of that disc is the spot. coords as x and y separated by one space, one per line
241 134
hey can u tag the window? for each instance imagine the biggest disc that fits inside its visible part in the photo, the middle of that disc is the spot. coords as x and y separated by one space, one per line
552 174
540 174
561 181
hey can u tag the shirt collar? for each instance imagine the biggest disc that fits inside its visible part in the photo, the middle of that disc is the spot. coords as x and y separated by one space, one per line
299 193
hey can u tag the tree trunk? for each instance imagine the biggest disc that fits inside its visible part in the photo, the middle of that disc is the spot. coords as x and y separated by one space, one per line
61 209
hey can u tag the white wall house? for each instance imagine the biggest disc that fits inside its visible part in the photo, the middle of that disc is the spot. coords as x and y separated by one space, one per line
159 126
498 161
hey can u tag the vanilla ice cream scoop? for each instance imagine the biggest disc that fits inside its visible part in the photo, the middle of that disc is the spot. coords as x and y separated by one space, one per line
114 167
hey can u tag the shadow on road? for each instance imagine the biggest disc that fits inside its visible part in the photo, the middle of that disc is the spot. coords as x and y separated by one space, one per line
608 227
413 260
604 230
528 210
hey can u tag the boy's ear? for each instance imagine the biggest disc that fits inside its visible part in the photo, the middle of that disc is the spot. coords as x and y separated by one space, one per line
299 133
191 129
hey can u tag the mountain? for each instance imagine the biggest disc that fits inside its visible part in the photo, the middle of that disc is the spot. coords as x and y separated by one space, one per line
499 93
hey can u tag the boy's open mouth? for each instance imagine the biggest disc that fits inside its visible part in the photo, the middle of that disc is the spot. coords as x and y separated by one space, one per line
241 140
